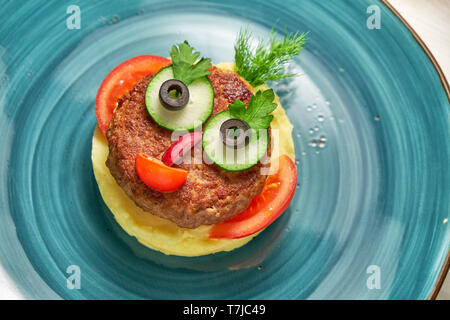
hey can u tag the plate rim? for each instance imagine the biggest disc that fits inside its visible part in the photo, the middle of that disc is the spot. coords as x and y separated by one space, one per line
446 265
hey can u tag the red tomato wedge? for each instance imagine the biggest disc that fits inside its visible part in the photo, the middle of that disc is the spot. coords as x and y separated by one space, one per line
120 80
274 199
157 175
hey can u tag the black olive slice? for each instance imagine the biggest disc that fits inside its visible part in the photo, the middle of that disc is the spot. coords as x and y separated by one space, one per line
235 133
173 94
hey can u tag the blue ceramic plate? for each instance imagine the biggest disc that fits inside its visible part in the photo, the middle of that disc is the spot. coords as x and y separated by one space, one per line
373 197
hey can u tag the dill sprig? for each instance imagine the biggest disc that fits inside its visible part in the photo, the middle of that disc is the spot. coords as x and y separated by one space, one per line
267 61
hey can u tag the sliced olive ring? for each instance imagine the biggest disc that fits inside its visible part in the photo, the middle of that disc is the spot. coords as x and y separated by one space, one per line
177 101
240 133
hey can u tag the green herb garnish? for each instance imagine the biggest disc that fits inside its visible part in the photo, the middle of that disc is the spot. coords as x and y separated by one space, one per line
257 113
266 63
184 67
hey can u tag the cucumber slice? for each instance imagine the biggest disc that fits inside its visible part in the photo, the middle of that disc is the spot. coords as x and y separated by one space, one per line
229 158
193 115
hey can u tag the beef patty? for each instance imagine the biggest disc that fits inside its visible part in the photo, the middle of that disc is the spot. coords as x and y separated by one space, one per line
210 194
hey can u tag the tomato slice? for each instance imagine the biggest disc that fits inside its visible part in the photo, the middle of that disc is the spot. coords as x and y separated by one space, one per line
274 199
157 175
119 81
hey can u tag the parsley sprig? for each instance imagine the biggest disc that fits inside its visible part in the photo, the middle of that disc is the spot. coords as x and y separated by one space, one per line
266 62
184 67
257 113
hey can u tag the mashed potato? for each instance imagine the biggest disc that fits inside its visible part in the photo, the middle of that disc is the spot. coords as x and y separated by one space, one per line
162 234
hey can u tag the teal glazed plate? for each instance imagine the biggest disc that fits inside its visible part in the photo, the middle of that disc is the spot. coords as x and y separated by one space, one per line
370 110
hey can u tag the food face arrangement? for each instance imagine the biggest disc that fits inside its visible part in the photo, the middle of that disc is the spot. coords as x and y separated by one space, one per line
193 158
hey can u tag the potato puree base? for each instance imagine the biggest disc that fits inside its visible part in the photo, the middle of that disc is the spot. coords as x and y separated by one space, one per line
162 234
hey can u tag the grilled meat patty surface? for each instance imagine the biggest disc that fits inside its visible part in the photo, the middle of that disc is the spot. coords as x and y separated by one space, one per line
210 194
